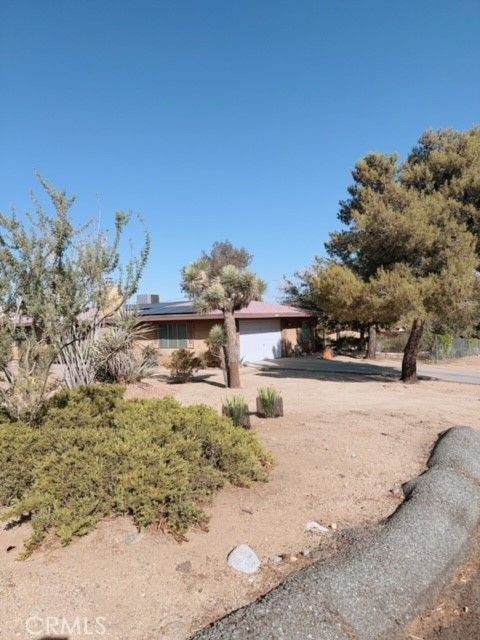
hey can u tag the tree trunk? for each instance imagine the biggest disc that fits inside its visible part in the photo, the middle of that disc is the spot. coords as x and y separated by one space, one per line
372 342
410 353
223 364
362 341
231 347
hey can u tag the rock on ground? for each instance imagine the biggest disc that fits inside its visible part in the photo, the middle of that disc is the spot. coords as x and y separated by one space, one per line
243 558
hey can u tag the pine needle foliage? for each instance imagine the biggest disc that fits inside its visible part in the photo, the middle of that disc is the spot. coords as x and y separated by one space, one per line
409 249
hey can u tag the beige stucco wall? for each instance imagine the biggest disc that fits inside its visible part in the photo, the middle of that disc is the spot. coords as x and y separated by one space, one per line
198 331
292 335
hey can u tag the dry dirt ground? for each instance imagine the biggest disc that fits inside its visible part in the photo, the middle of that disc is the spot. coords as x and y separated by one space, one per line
340 449
456 612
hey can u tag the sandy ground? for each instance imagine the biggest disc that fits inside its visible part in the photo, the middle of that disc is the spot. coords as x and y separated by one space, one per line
340 449
456 612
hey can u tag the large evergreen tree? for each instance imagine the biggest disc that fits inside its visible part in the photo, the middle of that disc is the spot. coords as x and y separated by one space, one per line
374 185
221 280
448 162
409 248
419 240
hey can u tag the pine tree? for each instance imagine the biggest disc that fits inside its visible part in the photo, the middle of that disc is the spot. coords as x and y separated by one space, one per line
417 257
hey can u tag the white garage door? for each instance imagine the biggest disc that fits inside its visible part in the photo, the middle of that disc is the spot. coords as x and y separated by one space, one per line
260 339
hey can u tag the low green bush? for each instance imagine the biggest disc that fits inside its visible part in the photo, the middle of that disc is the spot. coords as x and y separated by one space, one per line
154 460
92 406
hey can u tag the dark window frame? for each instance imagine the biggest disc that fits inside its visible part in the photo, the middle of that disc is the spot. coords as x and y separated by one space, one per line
172 338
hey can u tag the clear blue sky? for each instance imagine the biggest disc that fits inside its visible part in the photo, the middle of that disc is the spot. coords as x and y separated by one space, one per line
225 119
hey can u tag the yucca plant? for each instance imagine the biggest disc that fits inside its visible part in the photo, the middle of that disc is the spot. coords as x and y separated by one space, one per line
269 403
236 408
109 355
114 351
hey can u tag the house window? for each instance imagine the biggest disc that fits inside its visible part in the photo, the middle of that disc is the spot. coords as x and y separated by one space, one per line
173 336
306 331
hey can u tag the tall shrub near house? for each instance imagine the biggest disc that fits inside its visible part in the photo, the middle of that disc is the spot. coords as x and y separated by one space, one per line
56 281
221 280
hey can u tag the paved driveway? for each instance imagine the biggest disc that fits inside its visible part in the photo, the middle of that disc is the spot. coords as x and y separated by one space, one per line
338 369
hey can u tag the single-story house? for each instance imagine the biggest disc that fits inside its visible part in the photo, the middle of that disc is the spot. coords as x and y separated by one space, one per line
265 330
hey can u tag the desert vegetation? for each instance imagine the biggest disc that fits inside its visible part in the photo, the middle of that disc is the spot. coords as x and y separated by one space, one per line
72 450
93 454
59 285
236 408
221 280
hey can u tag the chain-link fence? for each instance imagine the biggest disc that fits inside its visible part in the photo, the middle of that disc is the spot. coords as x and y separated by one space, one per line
450 347
433 347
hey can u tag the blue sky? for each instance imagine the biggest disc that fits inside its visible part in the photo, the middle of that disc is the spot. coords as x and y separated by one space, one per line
220 119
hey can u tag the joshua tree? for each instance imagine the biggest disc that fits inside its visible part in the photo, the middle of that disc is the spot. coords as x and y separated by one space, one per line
220 280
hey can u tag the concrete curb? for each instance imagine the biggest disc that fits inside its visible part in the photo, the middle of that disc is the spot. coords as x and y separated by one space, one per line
372 590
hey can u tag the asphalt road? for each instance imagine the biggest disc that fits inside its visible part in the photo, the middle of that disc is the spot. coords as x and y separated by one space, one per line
371 589
338 369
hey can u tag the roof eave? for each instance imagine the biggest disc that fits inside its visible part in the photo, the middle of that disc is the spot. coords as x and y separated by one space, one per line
243 316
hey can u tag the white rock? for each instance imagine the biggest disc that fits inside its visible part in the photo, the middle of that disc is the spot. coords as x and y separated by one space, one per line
314 527
134 537
243 558
396 490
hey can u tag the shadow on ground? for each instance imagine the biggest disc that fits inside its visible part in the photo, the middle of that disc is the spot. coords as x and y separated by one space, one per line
331 370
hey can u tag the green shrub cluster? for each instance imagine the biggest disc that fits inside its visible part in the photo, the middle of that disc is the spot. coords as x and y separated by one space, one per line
182 365
95 454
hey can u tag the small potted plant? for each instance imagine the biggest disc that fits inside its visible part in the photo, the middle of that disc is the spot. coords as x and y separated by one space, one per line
269 403
236 408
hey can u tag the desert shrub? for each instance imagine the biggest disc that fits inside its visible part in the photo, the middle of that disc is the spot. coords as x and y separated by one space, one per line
182 365
270 402
125 368
151 459
92 406
216 346
18 444
110 355
236 408
150 355
114 352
